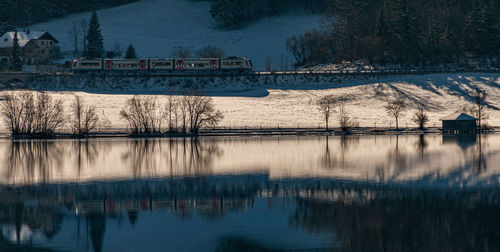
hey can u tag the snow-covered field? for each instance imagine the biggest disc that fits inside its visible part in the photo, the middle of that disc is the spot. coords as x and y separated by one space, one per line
293 105
155 27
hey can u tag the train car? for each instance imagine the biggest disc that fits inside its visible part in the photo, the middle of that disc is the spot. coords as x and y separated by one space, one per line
129 65
87 65
161 65
196 64
235 64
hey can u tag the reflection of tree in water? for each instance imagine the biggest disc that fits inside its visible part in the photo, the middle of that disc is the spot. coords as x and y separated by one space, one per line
397 159
474 146
33 159
97 227
337 159
403 225
43 220
87 151
421 145
188 156
479 162
132 216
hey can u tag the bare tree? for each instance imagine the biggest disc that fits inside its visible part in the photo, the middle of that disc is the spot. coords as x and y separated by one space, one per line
396 109
27 114
49 114
420 118
478 97
117 50
183 113
181 52
345 120
14 111
143 115
74 36
84 118
171 113
201 112
84 26
326 106
209 52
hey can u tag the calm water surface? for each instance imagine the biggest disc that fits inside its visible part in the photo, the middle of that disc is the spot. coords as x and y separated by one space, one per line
356 193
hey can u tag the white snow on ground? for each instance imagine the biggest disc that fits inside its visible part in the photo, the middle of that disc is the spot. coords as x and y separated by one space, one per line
293 105
155 27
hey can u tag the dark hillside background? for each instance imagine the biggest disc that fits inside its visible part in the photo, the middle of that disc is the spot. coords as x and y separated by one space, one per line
24 12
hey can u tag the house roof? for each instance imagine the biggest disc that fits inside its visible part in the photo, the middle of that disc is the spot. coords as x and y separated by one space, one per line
459 117
6 40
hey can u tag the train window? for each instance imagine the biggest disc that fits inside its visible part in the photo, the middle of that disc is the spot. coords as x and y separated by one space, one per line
159 64
126 65
89 64
231 63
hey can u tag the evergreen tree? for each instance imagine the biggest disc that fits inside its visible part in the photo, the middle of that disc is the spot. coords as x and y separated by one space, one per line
95 45
345 28
130 54
487 31
382 27
408 31
227 13
16 63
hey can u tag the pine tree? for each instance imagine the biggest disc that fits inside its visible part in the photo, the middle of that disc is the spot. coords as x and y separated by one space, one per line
345 27
408 30
95 46
382 27
227 13
130 54
16 63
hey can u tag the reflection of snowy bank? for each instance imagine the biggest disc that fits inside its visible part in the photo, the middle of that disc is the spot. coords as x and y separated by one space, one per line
432 161
23 234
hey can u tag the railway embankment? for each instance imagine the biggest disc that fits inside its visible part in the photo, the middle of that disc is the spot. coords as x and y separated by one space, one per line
210 83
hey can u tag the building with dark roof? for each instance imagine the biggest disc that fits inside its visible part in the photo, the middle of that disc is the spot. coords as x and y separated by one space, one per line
35 47
457 123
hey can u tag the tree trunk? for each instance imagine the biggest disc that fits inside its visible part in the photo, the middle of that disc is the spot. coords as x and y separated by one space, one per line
326 122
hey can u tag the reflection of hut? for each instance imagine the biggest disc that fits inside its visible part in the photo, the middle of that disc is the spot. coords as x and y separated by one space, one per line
458 123
464 141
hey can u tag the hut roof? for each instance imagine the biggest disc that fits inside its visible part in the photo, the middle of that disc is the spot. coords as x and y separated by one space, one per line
459 117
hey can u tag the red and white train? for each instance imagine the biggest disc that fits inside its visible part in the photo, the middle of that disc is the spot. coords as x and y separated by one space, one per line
162 65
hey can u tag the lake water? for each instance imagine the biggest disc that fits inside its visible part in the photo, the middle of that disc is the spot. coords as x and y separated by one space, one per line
351 193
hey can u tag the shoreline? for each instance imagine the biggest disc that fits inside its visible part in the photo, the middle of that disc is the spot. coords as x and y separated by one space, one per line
248 132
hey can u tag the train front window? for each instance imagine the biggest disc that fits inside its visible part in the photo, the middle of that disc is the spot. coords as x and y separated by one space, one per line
89 64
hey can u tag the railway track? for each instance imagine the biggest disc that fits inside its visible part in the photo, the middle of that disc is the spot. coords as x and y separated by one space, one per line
246 73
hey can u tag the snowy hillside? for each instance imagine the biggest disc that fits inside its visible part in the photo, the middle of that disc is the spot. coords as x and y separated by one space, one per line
290 102
155 27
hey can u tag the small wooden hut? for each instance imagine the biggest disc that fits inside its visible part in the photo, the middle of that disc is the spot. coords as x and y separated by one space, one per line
459 123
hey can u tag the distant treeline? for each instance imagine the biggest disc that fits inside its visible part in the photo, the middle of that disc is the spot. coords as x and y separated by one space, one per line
403 32
25 12
233 13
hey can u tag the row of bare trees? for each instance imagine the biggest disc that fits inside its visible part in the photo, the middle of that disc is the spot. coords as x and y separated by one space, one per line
328 104
146 114
39 114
